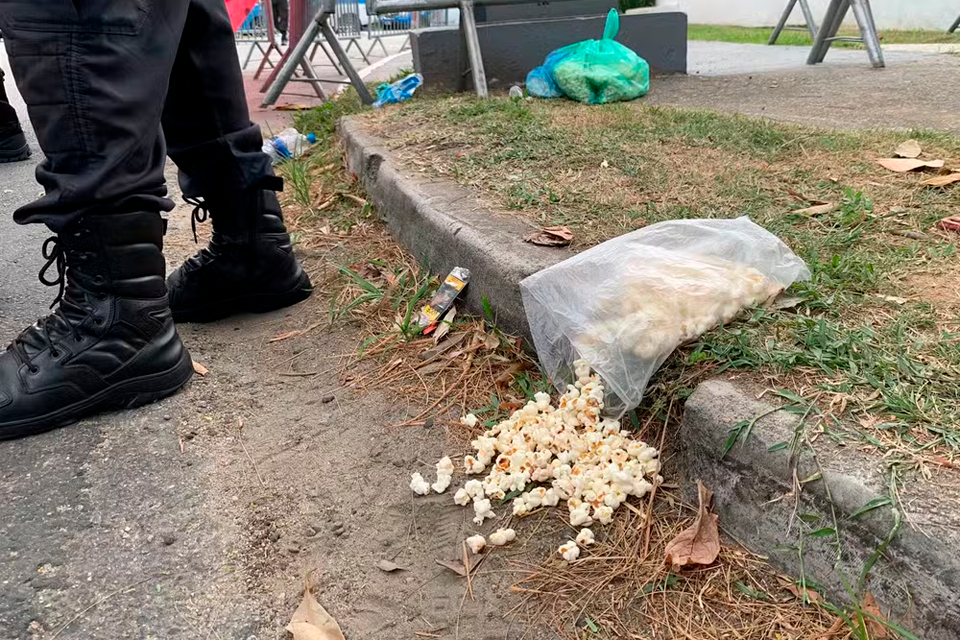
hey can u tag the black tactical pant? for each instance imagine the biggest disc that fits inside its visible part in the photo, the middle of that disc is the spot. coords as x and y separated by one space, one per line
113 86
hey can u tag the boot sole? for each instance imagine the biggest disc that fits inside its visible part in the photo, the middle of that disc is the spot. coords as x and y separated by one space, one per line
256 303
18 155
123 395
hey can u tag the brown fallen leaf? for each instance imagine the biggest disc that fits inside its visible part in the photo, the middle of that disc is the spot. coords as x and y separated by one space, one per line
806 595
292 107
490 341
817 209
941 181
199 369
312 622
389 567
908 149
874 618
699 544
550 237
458 567
902 165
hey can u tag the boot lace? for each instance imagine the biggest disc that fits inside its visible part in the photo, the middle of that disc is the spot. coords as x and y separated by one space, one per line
200 214
58 325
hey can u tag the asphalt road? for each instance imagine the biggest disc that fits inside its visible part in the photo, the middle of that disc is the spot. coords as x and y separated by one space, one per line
106 528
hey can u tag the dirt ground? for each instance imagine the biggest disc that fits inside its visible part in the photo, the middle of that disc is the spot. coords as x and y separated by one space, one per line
316 484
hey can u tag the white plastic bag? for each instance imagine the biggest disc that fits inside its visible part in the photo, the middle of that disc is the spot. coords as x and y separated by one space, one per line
625 305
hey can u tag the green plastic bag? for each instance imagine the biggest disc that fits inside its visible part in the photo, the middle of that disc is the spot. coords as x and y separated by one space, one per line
601 71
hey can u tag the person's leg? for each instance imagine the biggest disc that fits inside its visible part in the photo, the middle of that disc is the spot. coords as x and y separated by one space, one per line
94 75
281 16
249 264
13 144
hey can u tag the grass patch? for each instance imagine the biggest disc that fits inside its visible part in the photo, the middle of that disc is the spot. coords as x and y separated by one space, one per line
867 335
761 35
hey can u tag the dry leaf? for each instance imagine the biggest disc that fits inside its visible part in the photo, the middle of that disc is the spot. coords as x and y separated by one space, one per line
811 596
902 165
817 210
878 630
457 565
284 336
199 369
951 223
550 237
893 299
389 567
446 322
312 622
292 107
783 302
941 181
491 341
908 149
700 543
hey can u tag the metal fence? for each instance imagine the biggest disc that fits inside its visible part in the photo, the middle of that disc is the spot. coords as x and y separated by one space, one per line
257 31
254 28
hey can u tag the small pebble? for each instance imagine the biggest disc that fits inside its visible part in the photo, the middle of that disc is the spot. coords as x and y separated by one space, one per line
292 548
428 423
167 539
273 536
166 417
309 531
327 399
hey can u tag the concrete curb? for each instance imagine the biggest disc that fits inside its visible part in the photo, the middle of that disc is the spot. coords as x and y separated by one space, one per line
444 226
918 577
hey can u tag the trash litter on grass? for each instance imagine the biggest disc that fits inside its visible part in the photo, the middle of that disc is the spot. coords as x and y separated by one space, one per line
443 299
625 305
287 144
592 71
400 91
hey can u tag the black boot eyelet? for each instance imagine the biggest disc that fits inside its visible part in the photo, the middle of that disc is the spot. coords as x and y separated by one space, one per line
77 339
98 279
54 354
101 296
98 321
34 370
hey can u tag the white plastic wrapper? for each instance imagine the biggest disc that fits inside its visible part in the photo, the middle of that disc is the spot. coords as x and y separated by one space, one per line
625 305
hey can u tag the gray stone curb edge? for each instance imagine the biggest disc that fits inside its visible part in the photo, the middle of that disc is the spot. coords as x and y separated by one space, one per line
917 578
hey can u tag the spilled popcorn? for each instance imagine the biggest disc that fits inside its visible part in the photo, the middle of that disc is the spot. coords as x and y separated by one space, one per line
501 537
476 543
545 455
573 453
419 485
585 538
569 550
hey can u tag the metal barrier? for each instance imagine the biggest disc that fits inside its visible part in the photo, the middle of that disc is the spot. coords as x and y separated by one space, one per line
401 24
258 29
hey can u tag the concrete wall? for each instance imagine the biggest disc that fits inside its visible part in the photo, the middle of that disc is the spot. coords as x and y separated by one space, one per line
889 14
512 49
539 10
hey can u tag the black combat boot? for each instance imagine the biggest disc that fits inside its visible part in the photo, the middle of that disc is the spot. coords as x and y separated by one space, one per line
248 266
111 344
13 144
